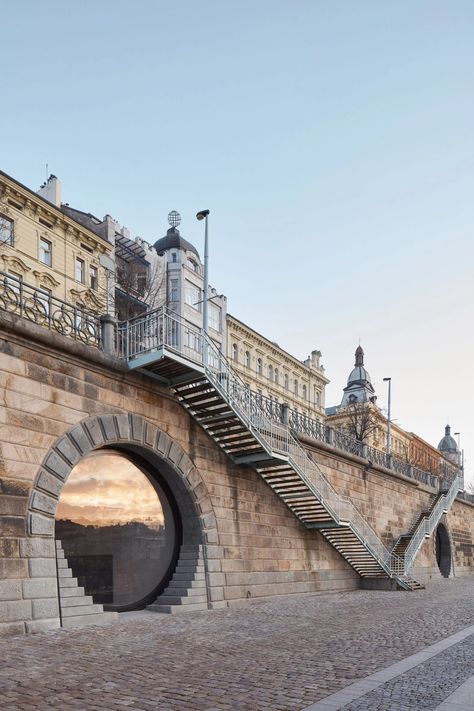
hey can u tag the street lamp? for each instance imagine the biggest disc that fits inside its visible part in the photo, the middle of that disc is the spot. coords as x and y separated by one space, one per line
389 381
203 215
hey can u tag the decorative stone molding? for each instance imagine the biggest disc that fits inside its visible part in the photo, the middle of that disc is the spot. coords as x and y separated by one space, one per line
14 263
45 280
88 299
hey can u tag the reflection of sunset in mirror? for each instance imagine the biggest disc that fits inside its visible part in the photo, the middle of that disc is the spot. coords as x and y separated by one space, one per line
106 488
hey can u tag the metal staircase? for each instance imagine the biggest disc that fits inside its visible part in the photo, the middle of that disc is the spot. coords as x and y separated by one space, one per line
184 358
408 545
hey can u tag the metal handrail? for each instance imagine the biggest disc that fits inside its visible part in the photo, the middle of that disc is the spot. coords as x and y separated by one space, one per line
428 524
160 329
277 439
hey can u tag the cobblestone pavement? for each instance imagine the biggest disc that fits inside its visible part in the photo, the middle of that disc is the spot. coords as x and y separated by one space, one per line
279 655
425 686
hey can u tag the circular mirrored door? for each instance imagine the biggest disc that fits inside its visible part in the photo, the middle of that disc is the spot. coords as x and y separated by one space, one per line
118 530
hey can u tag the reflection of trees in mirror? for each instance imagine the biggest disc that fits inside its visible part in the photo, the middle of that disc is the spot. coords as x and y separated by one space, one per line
140 288
117 529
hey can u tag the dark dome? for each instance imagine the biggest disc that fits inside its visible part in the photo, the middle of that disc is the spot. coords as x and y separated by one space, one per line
448 443
173 240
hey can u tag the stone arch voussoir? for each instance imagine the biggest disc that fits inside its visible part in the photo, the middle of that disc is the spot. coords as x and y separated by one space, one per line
125 430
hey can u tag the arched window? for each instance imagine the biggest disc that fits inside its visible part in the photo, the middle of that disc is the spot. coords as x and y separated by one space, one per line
316 396
247 359
259 366
270 373
193 265
276 376
286 382
235 352
296 387
304 392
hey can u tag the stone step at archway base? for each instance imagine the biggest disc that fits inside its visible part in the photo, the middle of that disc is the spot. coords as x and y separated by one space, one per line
186 591
77 608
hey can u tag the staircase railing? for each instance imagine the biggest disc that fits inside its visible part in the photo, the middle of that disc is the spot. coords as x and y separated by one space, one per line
161 328
429 523
277 439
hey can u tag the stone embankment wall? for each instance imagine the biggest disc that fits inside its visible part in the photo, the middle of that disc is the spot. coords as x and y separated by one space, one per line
60 399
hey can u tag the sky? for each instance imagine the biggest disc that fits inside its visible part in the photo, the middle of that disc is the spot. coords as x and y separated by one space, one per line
332 141
106 488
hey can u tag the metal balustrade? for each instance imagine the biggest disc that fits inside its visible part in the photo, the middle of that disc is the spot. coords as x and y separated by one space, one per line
163 330
429 523
38 305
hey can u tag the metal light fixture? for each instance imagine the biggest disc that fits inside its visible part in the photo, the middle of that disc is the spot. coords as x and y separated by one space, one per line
389 381
203 215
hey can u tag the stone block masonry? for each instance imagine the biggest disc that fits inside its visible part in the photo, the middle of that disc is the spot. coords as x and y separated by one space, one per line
60 400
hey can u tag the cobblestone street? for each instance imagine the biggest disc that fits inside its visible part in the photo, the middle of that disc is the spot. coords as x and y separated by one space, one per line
285 655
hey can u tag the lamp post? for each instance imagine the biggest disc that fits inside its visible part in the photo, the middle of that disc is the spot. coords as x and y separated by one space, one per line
203 215
389 381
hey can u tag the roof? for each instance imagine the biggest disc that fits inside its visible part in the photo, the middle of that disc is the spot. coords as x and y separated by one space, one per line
173 240
52 207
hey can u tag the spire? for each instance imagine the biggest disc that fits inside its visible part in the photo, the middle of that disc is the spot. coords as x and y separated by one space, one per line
359 354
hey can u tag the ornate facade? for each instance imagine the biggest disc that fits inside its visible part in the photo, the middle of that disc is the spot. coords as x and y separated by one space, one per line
42 246
272 372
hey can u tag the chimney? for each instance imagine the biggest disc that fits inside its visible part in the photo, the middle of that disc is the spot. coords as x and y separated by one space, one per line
51 190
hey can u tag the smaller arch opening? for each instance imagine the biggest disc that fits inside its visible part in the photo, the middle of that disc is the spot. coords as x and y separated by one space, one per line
443 550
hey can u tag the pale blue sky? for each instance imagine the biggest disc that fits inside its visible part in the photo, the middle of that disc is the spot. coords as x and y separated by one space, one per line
332 140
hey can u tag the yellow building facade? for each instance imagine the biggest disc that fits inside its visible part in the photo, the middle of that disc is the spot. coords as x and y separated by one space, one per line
42 247
273 373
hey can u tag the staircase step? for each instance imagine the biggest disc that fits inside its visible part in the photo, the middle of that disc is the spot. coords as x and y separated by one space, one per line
176 600
191 577
71 592
183 591
75 600
182 568
101 618
81 610
62 563
177 609
64 573
186 584
67 583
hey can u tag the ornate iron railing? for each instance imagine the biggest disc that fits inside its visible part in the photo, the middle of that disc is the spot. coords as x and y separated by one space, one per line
41 307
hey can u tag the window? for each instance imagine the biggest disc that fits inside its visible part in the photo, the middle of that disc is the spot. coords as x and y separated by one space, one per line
174 257
296 387
214 317
270 373
193 265
317 396
286 382
235 353
259 366
304 392
94 279
173 290
276 376
45 252
247 359
6 230
192 295
79 270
